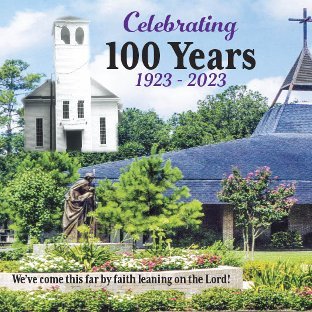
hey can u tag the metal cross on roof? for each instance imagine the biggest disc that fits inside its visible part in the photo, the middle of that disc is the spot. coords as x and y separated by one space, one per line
305 20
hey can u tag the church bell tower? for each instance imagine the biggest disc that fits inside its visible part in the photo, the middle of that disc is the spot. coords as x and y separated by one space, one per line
72 85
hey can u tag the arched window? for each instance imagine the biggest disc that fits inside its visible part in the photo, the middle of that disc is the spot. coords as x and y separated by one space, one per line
65 35
79 35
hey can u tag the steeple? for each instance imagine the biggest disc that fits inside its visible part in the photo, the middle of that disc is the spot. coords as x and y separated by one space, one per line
300 76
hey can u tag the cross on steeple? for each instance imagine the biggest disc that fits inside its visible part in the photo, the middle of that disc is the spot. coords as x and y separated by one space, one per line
305 20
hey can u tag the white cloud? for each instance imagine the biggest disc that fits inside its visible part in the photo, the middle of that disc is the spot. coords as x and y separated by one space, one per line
165 101
219 9
269 87
27 30
283 9
112 10
113 7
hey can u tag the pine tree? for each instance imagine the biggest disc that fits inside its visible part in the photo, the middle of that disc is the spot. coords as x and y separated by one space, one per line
146 200
14 81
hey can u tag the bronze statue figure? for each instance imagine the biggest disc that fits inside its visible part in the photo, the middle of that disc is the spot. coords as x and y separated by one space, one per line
79 201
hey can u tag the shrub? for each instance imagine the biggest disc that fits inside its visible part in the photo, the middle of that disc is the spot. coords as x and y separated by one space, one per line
214 299
53 300
9 266
48 263
265 299
11 300
87 253
282 275
156 300
168 251
13 254
122 303
251 269
286 240
186 237
226 252
42 301
85 300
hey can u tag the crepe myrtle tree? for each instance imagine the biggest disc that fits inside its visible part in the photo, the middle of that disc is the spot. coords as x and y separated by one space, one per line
146 200
257 200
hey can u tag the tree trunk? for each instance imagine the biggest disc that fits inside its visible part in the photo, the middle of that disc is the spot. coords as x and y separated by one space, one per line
246 242
9 130
253 241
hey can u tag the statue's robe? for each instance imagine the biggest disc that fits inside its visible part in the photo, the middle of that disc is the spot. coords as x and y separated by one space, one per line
79 200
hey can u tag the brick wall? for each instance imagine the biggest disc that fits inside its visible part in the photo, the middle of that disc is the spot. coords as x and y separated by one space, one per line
300 218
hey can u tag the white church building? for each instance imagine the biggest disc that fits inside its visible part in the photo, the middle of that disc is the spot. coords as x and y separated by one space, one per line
72 112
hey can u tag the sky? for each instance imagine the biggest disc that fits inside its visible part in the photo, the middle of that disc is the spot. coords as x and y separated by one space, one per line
262 25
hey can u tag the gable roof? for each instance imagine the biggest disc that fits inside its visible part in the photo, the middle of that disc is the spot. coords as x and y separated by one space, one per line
288 154
99 91
44 91
41 92
70 18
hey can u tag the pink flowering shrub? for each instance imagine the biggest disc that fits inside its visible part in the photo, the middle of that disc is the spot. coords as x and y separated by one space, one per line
258 201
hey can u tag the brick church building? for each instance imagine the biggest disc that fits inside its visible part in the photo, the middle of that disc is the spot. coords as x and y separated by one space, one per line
282 141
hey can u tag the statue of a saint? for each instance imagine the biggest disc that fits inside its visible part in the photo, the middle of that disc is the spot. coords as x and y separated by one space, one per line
79 201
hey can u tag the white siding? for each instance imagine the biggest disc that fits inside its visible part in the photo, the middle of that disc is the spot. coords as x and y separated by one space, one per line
109 110
72 84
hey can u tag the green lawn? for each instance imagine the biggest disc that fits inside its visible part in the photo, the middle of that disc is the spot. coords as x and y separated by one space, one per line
291 256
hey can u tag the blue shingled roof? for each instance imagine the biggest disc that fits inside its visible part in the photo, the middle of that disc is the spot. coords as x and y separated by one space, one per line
282 141
290 118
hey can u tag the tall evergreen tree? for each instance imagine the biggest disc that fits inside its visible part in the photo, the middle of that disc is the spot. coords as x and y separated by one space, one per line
147 200
14 81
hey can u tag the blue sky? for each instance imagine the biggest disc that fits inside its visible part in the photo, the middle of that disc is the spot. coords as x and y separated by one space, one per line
25 32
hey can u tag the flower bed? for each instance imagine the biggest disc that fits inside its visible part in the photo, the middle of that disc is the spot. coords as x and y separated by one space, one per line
187 262
47 264
127 263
